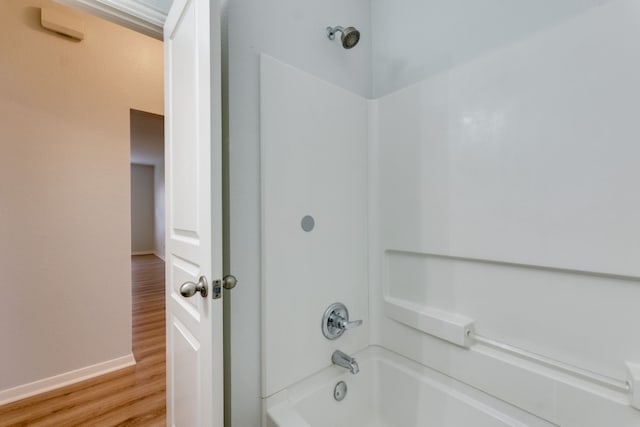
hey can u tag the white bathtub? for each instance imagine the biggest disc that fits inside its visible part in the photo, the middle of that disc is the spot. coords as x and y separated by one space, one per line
390 391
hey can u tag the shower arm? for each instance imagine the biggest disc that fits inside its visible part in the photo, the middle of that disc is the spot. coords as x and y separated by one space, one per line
331 31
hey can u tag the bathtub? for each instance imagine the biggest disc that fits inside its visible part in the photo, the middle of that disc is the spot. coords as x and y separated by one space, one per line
390 391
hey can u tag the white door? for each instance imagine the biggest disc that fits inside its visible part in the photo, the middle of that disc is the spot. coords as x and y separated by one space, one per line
194 213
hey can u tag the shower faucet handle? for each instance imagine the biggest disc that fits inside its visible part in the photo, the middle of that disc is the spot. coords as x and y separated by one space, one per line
336 320
343 323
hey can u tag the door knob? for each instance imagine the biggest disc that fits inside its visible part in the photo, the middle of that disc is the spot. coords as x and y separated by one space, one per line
189 289
229 281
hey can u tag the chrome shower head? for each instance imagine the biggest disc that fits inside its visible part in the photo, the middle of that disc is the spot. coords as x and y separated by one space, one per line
350 35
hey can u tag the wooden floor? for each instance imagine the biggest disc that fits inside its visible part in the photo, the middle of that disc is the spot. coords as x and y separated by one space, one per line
133 396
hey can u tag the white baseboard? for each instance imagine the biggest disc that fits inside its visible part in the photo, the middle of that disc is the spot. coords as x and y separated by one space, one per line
158 255
143 253
71 377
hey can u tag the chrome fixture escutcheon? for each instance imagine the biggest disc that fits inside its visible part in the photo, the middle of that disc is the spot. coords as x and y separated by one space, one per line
336 320
189 289
340 391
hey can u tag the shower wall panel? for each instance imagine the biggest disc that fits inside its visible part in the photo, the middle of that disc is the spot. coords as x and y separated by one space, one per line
313 163
294 32
506 190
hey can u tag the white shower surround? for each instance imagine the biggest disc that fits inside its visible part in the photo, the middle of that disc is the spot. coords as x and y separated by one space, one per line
458 171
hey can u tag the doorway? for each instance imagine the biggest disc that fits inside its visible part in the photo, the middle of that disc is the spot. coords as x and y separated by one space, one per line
147 184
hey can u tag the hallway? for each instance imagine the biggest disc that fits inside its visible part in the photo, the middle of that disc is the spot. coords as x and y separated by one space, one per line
133 396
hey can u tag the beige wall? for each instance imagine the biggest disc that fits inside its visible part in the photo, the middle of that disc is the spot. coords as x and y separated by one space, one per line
65 297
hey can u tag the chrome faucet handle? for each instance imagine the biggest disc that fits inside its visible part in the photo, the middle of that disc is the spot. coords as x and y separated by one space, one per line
343 323
336 320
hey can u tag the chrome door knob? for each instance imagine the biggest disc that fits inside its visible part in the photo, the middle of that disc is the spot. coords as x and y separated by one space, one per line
229 281
189 289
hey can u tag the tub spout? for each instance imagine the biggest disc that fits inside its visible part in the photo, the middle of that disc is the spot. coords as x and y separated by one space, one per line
344 360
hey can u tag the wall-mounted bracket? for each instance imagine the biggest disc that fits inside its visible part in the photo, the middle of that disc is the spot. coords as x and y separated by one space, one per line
445 325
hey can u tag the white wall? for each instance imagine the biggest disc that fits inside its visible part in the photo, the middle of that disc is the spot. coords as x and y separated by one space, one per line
159 211
147 147
142 209
413 39
294 32
506 192
64 190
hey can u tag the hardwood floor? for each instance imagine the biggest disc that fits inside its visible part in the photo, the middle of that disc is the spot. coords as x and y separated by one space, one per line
133 396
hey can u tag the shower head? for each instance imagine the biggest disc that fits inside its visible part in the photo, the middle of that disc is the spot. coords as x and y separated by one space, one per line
350 35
